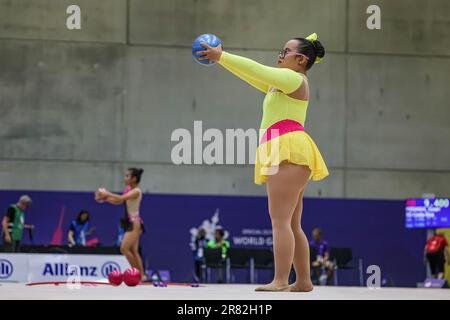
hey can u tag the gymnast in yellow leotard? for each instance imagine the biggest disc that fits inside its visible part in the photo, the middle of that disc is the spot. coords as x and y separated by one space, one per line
287 157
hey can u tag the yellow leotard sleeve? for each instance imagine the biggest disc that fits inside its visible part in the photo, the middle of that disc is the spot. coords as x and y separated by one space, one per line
260 76
261 86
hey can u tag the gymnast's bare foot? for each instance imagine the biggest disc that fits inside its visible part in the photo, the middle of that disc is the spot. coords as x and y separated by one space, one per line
274 287
301 287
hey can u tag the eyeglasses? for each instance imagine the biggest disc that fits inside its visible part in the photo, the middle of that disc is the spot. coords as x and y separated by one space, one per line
286 52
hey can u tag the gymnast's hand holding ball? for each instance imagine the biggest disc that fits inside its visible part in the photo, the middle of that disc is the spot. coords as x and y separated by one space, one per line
213 49
211 54
100 195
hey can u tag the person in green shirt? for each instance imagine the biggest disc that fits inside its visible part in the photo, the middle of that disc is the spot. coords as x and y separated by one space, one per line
13 224
219 243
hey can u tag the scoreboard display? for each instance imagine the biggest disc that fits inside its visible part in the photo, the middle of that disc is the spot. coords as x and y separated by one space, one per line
427 213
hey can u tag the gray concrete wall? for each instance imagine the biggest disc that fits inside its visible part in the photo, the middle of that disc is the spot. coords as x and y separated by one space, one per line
79 107
102 20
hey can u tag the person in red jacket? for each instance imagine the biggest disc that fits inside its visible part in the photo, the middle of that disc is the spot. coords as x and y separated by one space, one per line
436 253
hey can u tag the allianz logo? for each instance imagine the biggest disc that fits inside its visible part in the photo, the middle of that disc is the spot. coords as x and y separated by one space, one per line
6 269
66 269
62 269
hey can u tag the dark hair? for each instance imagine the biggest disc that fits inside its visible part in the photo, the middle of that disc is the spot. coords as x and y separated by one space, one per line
221 232
137 173
311 49
201 234
319 231
80 214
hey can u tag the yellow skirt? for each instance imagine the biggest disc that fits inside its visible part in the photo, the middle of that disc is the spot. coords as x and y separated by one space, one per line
296 147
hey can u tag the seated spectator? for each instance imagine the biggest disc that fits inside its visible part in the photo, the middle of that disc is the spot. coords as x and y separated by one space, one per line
322 266
120 233
436 252
80 229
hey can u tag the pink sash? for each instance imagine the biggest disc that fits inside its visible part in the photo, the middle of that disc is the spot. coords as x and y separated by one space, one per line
279 128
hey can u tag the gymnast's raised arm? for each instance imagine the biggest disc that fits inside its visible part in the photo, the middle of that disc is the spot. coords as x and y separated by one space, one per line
260 76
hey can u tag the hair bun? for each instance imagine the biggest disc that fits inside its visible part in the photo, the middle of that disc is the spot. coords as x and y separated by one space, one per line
318 48
141 171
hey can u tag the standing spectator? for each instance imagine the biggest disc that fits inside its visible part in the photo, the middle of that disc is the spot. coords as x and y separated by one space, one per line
13 224
436 253
198 249
322 264
219 243
80 229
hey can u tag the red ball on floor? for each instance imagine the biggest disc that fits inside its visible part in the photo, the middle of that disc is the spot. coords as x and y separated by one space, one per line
115 277
132 277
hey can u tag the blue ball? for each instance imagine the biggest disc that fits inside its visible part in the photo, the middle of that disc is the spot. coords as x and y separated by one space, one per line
209 39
